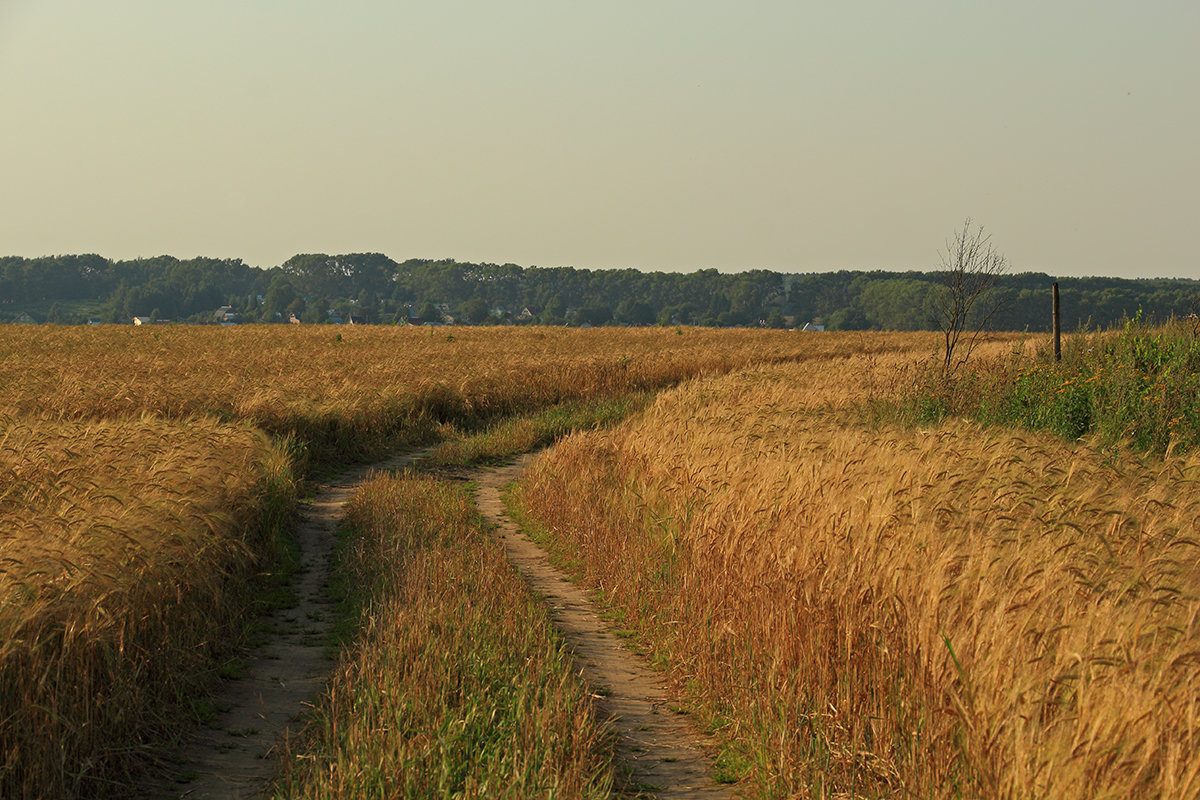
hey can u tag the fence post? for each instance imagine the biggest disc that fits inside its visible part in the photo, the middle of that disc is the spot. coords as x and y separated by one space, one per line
1057 327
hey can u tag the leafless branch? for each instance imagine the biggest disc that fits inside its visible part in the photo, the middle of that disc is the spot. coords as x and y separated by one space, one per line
967 301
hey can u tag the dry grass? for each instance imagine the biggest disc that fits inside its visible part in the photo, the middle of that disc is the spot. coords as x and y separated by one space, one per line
124 553
454 685
955 612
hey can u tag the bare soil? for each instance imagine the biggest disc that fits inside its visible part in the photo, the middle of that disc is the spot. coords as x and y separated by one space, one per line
661 750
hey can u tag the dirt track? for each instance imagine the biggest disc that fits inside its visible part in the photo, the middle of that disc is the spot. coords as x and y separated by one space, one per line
233 757
662 751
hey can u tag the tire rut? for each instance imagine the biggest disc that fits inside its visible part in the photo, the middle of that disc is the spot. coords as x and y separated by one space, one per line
233 757
664 755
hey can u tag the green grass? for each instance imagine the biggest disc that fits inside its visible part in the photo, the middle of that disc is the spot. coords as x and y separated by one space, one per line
1133 389
732 764
454 683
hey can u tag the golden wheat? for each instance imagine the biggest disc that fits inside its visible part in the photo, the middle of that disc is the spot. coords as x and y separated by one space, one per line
132 461
947 612
274 375
119 541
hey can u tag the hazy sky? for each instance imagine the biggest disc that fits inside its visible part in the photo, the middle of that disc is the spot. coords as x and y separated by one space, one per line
655 134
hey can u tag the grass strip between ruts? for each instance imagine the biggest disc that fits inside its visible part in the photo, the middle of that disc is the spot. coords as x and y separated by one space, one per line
454 683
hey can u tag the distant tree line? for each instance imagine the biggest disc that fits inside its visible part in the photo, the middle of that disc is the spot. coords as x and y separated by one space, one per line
370 287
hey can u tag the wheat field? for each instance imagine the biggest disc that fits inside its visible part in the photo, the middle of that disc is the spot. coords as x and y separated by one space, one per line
858 607
124 556
872 610
149 473
288 379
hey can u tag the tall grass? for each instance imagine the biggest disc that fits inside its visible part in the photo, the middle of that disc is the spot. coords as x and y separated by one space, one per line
1135 388
125 553
454 684
955 612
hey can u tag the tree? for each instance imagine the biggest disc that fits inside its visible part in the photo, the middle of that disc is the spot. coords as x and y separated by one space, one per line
731 319
280 295
848 319
895 304
594 315
429 312
631 311
475 310
317 313
966 301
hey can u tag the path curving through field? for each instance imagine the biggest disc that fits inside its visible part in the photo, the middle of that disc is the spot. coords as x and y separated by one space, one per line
664 755
233 756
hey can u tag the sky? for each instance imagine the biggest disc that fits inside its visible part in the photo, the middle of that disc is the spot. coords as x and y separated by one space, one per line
656 134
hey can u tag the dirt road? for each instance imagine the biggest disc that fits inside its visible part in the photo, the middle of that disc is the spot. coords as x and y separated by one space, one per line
661 750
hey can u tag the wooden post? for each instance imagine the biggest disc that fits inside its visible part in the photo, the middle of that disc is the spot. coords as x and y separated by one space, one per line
1057 328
